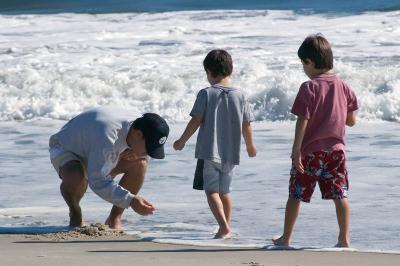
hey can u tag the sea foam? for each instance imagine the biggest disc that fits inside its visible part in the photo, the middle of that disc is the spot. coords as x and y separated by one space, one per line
55 66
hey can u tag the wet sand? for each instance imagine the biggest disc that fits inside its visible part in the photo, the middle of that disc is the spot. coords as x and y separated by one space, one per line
89 247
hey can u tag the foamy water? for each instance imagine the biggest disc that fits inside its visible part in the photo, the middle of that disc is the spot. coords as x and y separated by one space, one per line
55 66
30 200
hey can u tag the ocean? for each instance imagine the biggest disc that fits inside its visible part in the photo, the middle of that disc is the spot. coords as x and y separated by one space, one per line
60 58
123 6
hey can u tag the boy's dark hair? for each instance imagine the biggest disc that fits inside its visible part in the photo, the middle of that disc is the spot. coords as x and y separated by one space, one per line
219 63
317 49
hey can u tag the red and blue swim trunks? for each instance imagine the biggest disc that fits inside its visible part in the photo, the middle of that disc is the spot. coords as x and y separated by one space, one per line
328 168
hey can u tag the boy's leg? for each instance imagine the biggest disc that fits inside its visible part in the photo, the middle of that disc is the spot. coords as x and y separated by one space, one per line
226 200
291 213
218 204
334 185
225 180
134 173
301 188
343 217
217 208
73 187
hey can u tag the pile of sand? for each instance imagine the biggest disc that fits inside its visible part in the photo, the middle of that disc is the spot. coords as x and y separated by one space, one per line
93 231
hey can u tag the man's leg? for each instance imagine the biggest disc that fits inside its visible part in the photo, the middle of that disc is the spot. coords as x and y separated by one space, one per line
343 217
134 173
291 213
73 187
217 208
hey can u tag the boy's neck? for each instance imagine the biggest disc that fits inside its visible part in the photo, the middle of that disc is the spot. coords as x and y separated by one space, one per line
320 72
223 81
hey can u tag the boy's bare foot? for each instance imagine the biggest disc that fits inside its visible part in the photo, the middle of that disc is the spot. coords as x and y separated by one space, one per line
223 233
75 218
281 241
114 223
342 244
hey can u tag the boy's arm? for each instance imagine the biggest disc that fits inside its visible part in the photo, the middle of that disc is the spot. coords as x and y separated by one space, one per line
301 126
248 139
191 127
351 119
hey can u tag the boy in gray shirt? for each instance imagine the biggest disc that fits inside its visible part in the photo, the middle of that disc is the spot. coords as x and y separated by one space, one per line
222 113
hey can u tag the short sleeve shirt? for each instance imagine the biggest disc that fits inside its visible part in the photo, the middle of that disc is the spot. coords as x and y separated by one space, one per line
324 101
223 110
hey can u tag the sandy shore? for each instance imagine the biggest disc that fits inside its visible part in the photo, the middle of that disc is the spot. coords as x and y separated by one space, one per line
119 249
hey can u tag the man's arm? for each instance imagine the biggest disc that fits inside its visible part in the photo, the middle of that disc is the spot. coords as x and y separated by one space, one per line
248 139
134 169
301 126
351 119
191 128
100 162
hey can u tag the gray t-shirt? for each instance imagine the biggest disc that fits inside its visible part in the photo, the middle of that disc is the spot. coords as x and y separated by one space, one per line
223 111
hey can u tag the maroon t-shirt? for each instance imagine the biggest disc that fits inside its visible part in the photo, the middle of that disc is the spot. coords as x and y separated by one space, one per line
324 101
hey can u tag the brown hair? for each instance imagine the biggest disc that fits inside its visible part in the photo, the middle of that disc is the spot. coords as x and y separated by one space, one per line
219 63
317 49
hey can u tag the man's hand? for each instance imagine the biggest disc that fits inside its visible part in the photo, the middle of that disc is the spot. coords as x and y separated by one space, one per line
126 155
296 157
142 206
251 150
179 145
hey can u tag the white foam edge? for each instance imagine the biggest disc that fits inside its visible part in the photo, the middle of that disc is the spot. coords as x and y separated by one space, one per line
207 242
27 211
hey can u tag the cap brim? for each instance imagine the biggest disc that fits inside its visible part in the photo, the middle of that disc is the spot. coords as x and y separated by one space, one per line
157 152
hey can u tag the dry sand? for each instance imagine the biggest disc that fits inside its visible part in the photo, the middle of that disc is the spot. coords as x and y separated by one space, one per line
97 245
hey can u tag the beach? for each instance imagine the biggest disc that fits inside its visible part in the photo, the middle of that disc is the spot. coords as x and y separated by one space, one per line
34 251
58 61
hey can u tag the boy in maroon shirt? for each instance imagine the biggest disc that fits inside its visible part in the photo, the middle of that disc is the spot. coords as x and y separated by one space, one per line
324 106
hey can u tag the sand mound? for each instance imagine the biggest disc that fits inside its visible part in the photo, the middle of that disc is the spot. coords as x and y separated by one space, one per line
93 231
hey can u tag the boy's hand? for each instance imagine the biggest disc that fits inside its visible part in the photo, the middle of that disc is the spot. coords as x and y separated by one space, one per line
179 145
251 151
296 157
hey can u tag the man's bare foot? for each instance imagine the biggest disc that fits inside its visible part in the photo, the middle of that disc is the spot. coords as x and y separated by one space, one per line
114 223
75 218
223 233
281 241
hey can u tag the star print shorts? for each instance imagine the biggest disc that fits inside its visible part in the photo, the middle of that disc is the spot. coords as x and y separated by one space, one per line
328 168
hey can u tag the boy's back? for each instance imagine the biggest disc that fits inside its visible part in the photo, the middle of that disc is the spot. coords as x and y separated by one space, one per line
223 110
223 114
323 106
325 101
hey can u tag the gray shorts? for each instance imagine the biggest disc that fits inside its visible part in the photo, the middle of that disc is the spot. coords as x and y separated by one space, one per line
59 157
217 176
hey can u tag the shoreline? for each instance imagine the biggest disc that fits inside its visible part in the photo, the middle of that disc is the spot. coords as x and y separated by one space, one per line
20 249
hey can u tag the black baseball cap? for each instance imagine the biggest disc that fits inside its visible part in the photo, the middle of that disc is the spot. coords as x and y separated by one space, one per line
155 131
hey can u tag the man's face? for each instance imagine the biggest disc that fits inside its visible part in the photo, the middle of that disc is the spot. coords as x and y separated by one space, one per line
138 143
